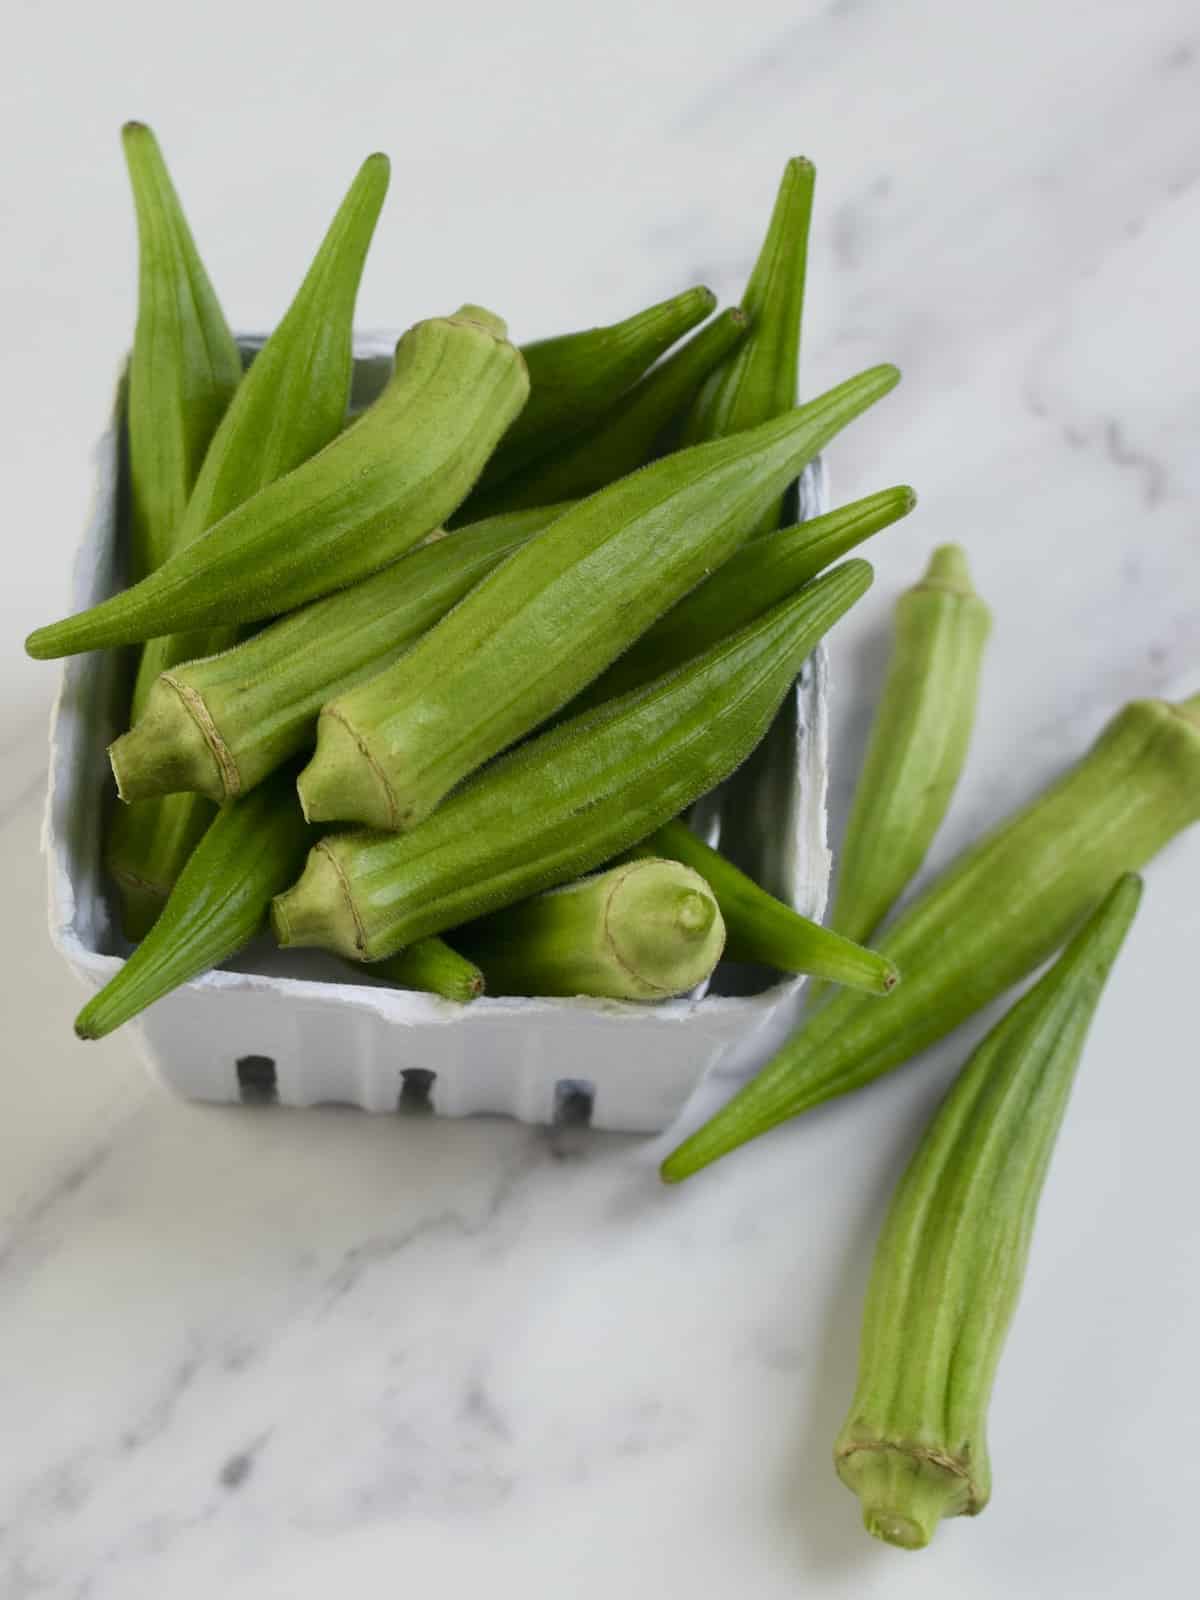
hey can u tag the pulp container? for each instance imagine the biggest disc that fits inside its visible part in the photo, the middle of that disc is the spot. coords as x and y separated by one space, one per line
307 1029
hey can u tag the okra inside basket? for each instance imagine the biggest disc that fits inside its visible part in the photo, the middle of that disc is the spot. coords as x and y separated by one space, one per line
768 817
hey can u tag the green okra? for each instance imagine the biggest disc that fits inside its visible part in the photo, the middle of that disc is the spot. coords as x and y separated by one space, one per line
566 801
645 930
252 850
220 725
918 742
145 851
625 437
951 1257
184 366
363 500
576 378
1006 904
290 404
433 967
760 928
759 380
553 615
754 578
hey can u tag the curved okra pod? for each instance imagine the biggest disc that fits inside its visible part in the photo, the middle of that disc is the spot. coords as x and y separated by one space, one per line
290 404
220 725
754 578
625 437
645 930
759 380
952 1254
365 499
184 366
760 928
433 967
575 378
554 615
918 742
250 852
565 801
996 913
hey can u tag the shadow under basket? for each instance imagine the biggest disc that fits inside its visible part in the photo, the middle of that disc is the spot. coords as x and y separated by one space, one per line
287 1027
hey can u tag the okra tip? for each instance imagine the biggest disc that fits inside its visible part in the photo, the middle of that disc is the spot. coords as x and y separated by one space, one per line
54 640
948 570
88 1025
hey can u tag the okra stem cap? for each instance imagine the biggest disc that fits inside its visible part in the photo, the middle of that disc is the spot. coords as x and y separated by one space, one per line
341 771
316 910
167 751
663 929
904 1492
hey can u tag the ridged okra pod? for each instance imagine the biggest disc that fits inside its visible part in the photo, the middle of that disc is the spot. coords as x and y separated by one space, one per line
625 437
950 1260
220 725
553 615
566 801
433 967
1006 904
645 930
184 366
754 578
290 404
918 742
576 378
760 928
252 850
759 380
363 500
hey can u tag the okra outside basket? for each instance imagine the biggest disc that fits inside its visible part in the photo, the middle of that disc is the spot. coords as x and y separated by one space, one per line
305 1029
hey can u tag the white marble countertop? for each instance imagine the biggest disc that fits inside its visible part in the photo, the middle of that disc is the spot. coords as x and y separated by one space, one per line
252 1353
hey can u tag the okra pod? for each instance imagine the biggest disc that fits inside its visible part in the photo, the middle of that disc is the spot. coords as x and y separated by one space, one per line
918 742
566 801
252 850
433 967
553 615
183 371
625 437
291 403
951 1257
645 930
220 725
760 928
145 851
575 378
184 366
754 578
365 499
993 916
759 380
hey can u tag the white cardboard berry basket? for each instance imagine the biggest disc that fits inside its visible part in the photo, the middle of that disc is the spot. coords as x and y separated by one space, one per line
300 1027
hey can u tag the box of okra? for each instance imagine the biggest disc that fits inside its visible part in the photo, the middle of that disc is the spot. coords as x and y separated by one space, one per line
305 1029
